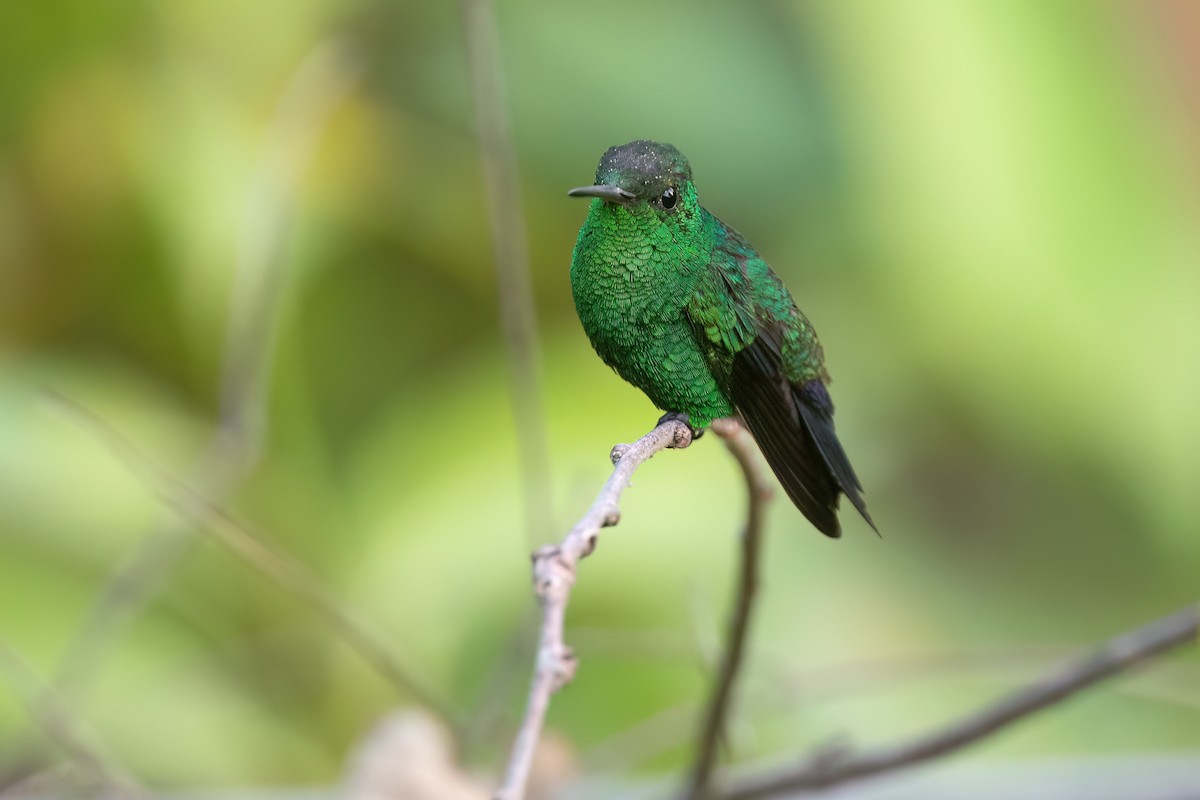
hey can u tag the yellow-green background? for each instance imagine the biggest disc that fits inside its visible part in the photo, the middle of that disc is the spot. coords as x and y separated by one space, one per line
989 210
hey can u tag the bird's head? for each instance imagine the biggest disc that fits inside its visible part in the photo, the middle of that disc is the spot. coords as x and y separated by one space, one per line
645 177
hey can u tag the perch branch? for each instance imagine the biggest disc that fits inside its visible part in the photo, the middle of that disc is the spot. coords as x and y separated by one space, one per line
832 768
758 492
553 577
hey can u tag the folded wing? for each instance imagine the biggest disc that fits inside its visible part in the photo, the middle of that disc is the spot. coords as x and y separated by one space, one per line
768 362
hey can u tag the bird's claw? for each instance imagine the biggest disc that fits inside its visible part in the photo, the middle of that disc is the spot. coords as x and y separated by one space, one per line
682 416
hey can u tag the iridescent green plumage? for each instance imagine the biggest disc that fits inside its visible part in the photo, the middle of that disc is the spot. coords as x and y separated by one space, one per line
681 306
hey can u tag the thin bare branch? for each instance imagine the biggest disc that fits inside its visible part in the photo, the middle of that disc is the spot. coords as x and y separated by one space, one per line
510 251
553 577
283 570
63 728
758 492
319 84
777 693
836 767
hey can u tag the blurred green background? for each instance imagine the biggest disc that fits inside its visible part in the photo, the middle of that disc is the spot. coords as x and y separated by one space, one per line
989 211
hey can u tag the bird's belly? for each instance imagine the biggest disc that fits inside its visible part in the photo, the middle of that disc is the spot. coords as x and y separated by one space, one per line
663 359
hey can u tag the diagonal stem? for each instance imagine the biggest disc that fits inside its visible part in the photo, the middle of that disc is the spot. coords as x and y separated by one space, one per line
319 84
209 516
834 768
58 721
553 577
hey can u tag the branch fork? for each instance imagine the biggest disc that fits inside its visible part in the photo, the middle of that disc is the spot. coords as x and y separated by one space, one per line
554 568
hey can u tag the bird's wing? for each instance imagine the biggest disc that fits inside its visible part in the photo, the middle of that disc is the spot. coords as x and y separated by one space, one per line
769 363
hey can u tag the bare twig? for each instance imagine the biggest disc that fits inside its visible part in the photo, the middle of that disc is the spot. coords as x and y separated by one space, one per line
284 571
777 694
321 81
833 768
553 577
758 492
62 727
510 250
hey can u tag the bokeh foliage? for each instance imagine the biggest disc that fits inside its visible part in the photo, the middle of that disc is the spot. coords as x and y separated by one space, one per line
989 211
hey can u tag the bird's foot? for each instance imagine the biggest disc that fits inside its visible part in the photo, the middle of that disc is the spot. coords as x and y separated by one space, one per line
681 416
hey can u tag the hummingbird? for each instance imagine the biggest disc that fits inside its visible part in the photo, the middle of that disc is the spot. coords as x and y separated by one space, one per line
685 309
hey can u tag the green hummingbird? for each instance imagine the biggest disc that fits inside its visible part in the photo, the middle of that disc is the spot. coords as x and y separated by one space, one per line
682 307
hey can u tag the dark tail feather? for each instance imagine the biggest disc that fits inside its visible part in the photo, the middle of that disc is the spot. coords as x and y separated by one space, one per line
797 465
793 426
820 427
768 405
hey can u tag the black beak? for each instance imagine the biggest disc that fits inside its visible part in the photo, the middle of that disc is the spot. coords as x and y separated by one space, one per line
614 194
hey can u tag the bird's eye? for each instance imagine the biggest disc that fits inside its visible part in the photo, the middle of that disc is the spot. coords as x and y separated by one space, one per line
668 198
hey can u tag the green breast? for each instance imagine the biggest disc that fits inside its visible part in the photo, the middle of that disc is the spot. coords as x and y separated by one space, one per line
632 282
